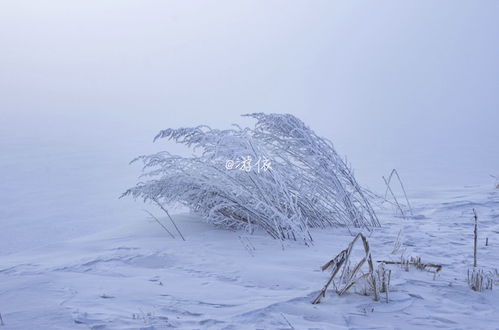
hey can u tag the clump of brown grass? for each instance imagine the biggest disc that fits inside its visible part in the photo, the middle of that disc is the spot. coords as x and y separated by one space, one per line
377 283
374 281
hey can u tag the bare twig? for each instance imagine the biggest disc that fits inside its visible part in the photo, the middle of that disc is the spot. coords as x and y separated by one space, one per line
1 320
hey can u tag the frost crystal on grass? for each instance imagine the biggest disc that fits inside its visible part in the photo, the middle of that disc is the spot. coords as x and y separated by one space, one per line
307 185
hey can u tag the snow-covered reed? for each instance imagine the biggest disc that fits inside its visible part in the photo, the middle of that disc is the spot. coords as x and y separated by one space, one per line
479 280
303 184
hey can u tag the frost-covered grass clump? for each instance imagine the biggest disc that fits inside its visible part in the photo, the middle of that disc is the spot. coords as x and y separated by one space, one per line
278 176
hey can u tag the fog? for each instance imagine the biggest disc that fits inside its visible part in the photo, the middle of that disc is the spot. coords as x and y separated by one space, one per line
85 85
395 83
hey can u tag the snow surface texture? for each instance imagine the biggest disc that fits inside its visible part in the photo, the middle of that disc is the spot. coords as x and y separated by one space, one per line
136 276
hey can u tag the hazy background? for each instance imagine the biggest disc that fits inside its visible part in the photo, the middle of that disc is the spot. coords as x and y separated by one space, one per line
85 85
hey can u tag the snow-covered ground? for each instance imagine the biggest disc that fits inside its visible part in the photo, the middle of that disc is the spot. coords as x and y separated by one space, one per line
85 85
135 276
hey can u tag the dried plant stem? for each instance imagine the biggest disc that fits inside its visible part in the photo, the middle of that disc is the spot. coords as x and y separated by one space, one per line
478 280
413 262
388 284
475 233
339 261
395 172
398 242
160 223
289 323
168 214
394 197
247 245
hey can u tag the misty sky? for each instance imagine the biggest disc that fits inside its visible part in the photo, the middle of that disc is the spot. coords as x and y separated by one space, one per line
406 84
